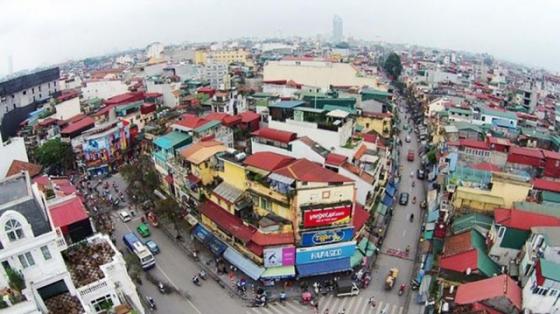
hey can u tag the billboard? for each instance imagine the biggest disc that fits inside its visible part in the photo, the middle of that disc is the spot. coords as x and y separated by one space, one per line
279 256
330 236
326 216
324 253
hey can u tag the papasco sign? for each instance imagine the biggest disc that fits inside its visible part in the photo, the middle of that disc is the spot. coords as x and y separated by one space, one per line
326 216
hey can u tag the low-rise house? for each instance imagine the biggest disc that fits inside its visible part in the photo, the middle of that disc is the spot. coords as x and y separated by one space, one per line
500 294
202 129
200 158
510 231
497 118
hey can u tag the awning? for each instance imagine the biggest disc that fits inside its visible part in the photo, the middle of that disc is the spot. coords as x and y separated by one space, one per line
387 200
201 233
327 267
216 245
390 189
366 247
433 215
381 209
244 264
281 178
356 259
279 272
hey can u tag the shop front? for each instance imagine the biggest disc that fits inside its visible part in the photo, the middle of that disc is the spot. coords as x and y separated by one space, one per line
324 259
244 264
214 244
279 262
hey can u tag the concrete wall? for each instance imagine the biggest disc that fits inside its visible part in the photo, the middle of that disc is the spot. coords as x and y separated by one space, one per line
67 109
327 139
103 89
316 73
14 149
167 89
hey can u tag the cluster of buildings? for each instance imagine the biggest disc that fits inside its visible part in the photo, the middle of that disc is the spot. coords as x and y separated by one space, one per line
52 259
489 143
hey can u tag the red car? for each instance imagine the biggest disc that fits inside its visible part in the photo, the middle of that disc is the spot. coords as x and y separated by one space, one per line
410 156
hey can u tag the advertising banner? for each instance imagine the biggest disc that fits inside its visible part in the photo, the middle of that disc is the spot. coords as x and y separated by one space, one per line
279 256
330 236
326 216
324 253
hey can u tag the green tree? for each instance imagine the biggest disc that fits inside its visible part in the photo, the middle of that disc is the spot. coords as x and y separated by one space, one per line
55 155
393 66
169 210
15 279
142 179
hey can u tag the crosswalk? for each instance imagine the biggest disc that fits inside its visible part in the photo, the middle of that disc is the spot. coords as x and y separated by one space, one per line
350 305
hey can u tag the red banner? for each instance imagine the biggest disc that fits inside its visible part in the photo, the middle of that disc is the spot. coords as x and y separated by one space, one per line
326 216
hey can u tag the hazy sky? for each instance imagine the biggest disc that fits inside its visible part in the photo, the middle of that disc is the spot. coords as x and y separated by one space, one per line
42 32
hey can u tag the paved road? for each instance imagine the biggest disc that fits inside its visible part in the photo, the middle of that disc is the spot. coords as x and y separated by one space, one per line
173 266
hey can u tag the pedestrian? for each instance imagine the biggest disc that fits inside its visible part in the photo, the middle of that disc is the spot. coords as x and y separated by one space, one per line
372 302
316 305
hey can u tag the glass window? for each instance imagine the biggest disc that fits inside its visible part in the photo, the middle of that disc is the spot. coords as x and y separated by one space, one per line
26 260
46 253
14 230
102 304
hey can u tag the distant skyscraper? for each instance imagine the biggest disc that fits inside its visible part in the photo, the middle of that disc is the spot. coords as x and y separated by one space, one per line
10 65
337 29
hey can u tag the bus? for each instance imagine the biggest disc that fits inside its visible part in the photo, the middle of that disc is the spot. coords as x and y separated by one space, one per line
138 248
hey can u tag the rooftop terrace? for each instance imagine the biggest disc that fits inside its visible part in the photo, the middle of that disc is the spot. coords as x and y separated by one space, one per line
85 258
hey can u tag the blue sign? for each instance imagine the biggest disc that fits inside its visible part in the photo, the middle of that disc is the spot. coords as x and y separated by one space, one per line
327 236
317 254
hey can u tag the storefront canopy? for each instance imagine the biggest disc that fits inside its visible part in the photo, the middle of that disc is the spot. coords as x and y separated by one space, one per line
279 272
388 200
327 267
214 244
390 189
244 264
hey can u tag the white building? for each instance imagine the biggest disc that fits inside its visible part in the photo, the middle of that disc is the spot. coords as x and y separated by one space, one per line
169 89
103 89
67 109
217 75
154 50
10 150
24 90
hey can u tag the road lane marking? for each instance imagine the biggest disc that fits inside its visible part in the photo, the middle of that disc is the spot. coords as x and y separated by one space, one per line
293 305
379 307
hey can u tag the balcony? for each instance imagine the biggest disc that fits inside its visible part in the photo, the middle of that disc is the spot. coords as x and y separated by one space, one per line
261 189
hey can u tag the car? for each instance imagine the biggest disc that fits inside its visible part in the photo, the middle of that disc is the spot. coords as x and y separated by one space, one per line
403 198
152 246
410 155
124 215
143 230
420 174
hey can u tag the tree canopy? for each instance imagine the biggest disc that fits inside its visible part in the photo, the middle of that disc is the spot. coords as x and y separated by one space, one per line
393 66
55 155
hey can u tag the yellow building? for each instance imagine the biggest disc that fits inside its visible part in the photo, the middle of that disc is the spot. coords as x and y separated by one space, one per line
221 56
380 123
201 156
506 189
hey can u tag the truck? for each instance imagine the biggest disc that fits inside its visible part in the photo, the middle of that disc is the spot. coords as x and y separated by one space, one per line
346 287
136 247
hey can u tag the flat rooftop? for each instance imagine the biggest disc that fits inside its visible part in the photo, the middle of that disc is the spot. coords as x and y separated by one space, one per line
84 261
13 188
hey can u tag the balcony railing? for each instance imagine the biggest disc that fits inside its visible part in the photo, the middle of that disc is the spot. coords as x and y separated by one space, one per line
264 190
93 287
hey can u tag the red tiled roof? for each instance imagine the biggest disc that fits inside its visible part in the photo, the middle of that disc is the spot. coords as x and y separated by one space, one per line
152 95
474 144
48 121
524 151
460 262
64 186
551 154
360 152
191 121
79 125
499 141
216 116
231 120
360 217
268 161
335 159
308 171
18 166
458 243
249 116
523 220
486 166
275 135
368 137
125 98
499 286
226 221
546 185
68 212
266 239
255 248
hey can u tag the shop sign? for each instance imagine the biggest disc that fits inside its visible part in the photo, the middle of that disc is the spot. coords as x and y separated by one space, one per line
324 253
279 256
327 236
326 216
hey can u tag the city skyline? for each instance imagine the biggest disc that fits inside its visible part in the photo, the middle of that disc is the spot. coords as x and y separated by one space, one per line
44 33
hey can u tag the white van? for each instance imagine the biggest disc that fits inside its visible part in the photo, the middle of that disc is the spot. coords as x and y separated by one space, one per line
124 215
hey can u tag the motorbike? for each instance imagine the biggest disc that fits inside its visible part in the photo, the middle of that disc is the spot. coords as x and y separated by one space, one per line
196 281
316 288
413 183
401 289
283 297
161 287
411 217
203 275
151 303
414 200
407 250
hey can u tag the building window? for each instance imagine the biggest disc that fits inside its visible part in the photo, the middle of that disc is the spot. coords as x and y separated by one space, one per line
501 232
26 260
14 230
266 204
46 253
24 92
102 304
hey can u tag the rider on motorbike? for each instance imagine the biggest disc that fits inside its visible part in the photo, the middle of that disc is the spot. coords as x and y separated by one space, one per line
195 279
